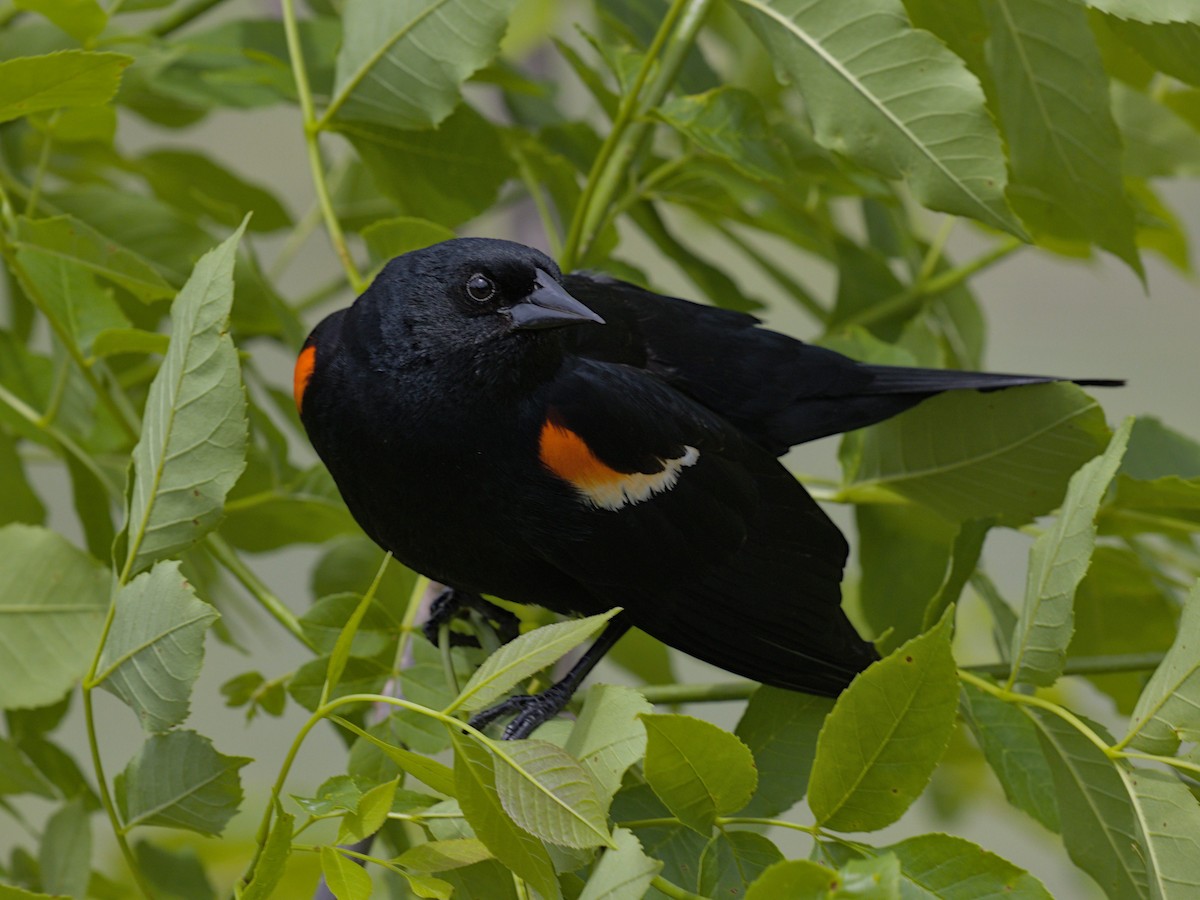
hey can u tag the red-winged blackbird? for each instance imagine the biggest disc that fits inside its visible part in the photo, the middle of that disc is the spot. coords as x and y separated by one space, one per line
627 460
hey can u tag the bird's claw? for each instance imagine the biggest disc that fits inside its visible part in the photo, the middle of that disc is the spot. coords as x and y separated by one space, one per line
532 711
452 604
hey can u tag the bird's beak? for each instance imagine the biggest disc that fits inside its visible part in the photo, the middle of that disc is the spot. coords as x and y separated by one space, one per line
549 306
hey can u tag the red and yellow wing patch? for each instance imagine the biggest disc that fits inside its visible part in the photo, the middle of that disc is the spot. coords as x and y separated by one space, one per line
568 456
302 373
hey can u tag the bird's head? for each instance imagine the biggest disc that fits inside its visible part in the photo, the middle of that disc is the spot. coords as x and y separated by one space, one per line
469 292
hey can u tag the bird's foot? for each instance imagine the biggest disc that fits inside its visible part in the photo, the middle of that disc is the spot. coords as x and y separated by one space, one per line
453 604
532 710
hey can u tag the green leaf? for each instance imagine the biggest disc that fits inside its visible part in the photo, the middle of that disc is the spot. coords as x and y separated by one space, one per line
1010 744
520 658
623 872
66 851
904 552
273 861
869 81
729 123
1098 826
609 737
177 780
69 78
1011 458
1052 101
1169 505
1121 608
780 728
438 856
67 294
1171 47
175 873
1168 820
155 647
1149 10
340 653
361 676
951 868
389 238
199 187
116 341
696 769
521 852
16 775
798 878
429 771
732 860
193 443
447 175
81 19
1159 143
885 735
550 794
369 813
1058 561
78 242
52 603
21 504
1156 451
1166 712
345 878
402 63
324 621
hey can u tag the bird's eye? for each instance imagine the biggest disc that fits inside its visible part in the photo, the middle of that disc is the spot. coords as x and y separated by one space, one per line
480 287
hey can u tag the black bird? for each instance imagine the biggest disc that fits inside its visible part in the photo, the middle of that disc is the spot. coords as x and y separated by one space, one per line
580 443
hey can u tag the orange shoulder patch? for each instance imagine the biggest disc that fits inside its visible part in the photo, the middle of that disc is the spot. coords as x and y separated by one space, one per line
569 457
566 454
302 373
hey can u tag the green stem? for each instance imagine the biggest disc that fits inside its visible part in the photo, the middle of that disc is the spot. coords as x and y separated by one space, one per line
773 823
914 294
39 173
183 16
227 557
312 136
89 716
1032 700
131 428
666 52
674 891
534 187
408 623
936 246
31 416
1182 764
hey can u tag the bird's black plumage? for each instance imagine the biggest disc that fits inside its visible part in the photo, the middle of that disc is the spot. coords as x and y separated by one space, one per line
630 463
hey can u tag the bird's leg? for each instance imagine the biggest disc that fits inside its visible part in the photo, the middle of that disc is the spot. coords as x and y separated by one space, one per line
452 604
534 709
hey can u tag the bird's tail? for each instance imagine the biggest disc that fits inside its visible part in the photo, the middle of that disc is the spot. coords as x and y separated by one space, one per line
904 380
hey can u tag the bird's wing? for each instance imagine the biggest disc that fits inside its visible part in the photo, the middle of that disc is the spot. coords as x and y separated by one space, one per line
706 540
777 390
